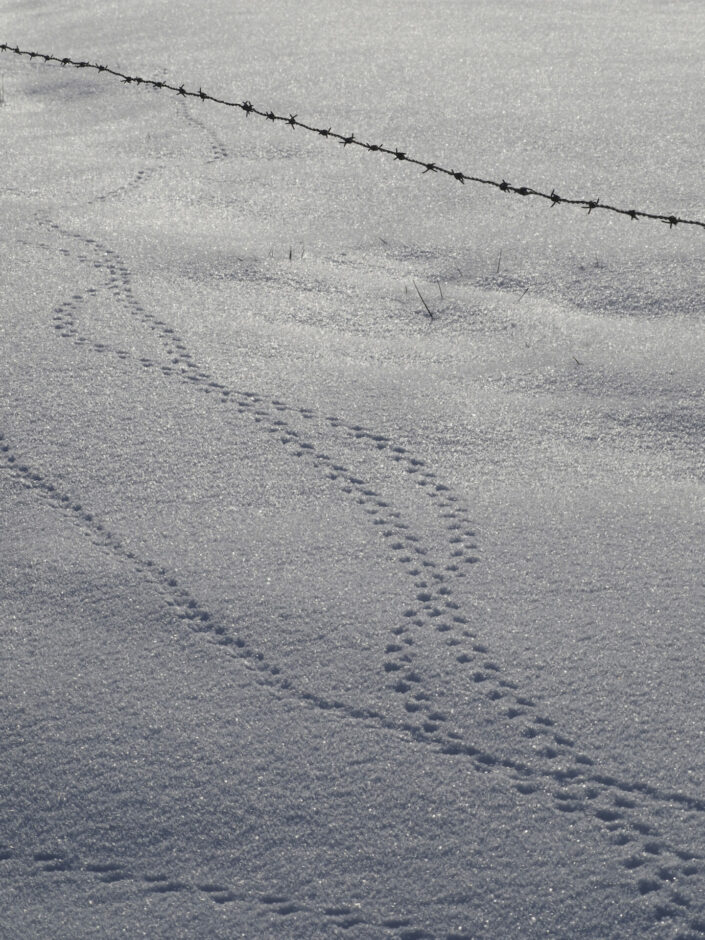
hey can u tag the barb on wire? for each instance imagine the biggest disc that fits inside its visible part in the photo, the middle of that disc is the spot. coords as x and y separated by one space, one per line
351 140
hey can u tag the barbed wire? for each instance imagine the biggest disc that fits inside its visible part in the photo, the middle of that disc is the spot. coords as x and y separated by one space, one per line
350 140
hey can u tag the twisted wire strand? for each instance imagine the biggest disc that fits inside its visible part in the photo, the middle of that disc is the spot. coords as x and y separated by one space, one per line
350 140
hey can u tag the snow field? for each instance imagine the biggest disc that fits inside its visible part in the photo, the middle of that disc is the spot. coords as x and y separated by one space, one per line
321 618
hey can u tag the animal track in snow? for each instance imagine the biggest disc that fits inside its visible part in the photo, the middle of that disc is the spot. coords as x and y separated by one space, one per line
218 149
245 402
551 756
331 915
428 721
129 188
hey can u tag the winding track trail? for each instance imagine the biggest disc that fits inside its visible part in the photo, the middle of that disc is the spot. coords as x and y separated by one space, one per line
538 758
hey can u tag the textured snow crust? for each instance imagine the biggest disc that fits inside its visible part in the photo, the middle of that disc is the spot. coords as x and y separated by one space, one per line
320 617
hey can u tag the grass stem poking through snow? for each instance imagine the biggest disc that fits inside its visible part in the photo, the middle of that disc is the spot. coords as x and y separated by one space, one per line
428 309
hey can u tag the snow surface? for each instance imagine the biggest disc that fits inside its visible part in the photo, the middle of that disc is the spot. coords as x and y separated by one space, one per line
321 618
